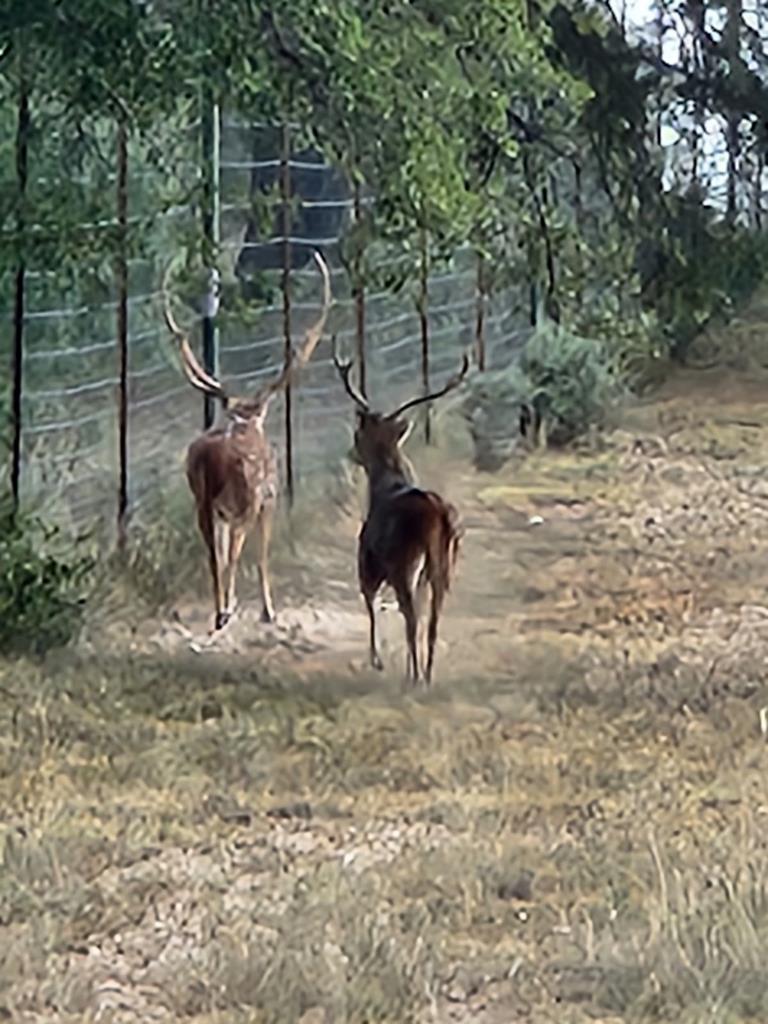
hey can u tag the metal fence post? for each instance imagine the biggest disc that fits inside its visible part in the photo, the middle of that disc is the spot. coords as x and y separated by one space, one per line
424 322
285 197
359 296
17 368
121 273
480 313
211 235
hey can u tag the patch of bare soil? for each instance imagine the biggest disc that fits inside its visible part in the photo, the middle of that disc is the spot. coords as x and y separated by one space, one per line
571 825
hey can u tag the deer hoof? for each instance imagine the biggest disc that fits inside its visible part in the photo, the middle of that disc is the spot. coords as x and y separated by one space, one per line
267 615
222 618
377 663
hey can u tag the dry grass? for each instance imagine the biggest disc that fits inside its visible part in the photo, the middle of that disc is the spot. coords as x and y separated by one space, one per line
218 846
570 827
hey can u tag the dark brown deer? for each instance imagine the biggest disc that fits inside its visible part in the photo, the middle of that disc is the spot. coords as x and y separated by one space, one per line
232 467
410 538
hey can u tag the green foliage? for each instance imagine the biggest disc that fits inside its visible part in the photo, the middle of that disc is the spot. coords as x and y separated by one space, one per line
563 382
537 152
492 411
700 269
571 381
42 594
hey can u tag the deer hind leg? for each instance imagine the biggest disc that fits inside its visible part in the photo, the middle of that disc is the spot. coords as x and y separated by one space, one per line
237 536
265 533
221 542
407 599
207 528
420 603
408 610
438 595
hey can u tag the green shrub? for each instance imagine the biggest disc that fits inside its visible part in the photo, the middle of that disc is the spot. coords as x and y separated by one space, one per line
699 269
42 593
563 381
571 381
492 412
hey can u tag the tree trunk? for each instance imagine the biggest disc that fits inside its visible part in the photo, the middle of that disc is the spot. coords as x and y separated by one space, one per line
732 46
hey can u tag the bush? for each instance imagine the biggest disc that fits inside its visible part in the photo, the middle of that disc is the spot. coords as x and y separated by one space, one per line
492 411
562 385
42 595
571 381
700 269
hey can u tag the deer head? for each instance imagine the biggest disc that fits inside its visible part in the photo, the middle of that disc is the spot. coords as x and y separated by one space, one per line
379 437
249 408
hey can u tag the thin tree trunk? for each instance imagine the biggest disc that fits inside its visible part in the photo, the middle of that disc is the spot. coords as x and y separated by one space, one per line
17 367
732 44
210 146
285 193
121 273
480 313
424 321
359 296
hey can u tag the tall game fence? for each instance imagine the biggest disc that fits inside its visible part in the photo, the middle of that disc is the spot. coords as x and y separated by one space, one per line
106 414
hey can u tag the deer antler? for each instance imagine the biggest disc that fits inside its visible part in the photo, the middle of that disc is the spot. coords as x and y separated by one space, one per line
195 374
344 369
313 335
452 383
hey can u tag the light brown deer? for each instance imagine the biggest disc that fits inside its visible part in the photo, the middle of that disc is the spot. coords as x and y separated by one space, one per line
410 538
232 467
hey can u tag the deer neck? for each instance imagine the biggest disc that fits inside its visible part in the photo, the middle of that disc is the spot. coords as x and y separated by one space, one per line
239 425
388 476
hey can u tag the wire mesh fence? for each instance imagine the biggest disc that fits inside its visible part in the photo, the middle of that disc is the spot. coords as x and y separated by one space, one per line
70 465
70 423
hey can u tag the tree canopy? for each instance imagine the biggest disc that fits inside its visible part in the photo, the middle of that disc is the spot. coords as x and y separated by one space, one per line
528 128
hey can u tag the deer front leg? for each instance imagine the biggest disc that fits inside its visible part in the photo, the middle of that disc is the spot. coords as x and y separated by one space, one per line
371 577
265 533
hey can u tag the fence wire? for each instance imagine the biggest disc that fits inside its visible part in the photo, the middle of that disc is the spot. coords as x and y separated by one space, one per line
70 370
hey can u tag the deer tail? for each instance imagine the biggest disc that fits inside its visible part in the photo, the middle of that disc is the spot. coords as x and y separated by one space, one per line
451 533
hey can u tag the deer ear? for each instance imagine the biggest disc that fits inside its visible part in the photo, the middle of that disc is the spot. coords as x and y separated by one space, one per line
404 431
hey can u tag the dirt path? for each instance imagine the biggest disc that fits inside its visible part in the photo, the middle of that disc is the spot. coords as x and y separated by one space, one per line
631 550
